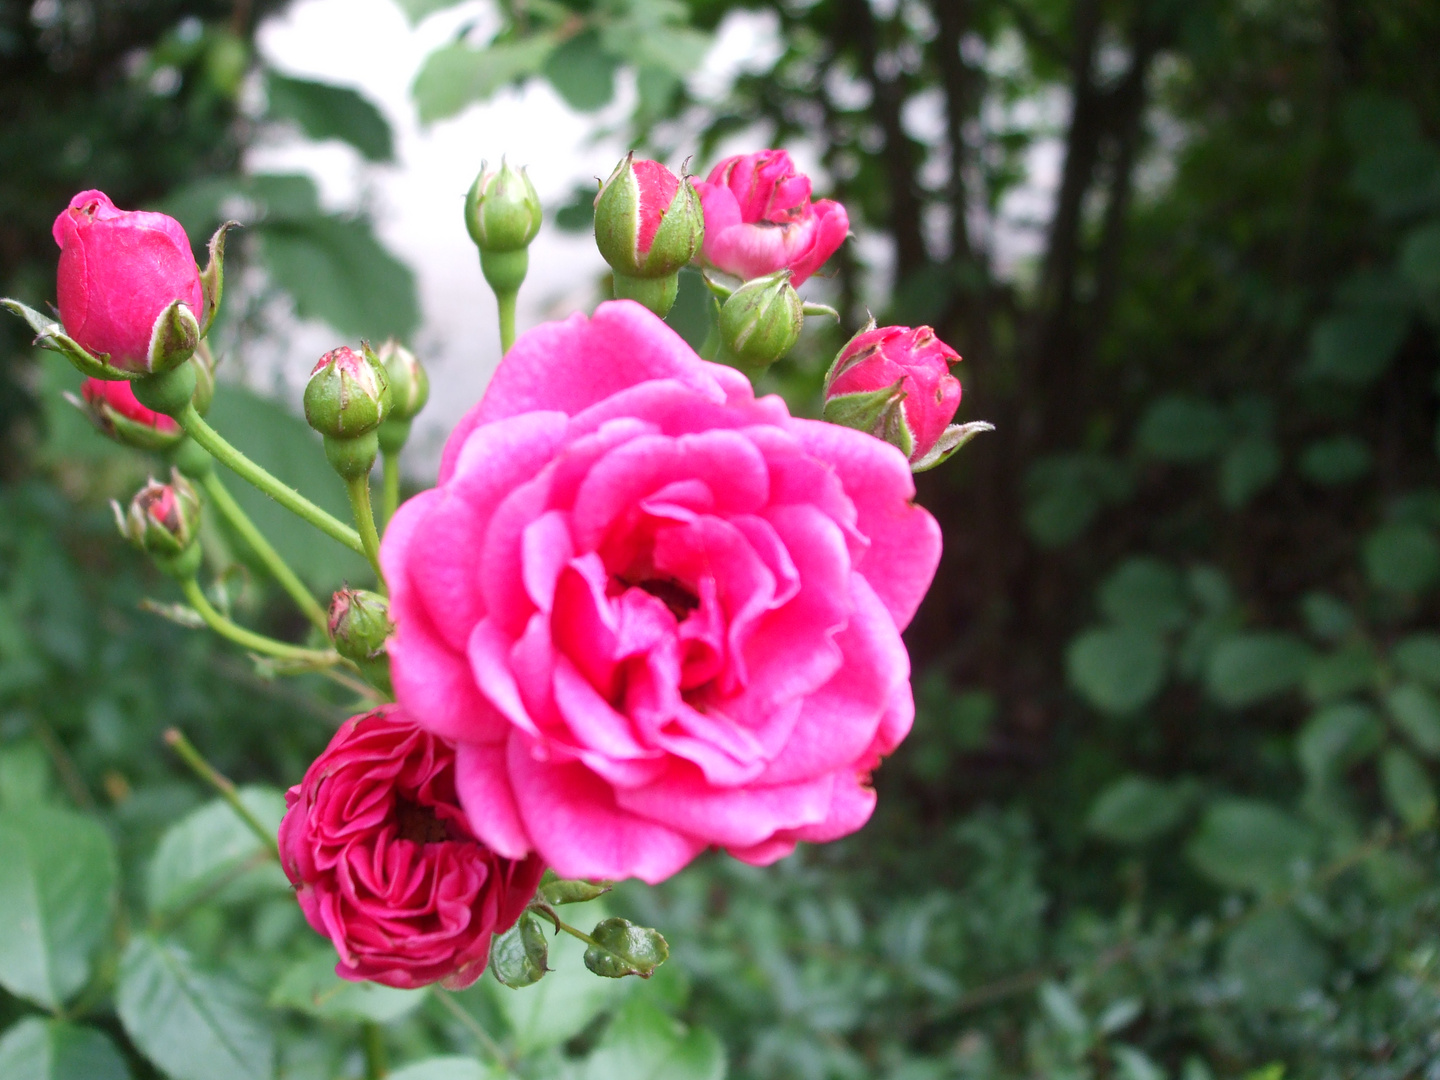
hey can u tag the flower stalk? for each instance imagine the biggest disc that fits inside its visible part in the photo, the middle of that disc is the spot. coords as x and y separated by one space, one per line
224 786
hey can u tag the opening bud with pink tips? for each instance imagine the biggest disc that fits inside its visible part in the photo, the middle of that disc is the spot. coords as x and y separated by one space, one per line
648 224
895 383
359 624
164 521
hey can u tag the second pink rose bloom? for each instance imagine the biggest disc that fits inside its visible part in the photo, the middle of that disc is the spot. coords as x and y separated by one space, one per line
759 218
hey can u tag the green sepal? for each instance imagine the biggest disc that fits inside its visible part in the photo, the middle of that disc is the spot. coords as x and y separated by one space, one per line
681 232
520 956
121 429
877 412
811 308
559 891
951 439
621 948
50 335
212 278
173 339
834 370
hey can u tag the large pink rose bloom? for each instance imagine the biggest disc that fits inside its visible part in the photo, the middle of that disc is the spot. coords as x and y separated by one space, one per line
656 614
759 218
119 269
385 864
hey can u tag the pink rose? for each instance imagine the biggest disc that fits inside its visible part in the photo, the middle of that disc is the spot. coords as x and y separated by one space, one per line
118 271
915 360
656 614
759 218
386 865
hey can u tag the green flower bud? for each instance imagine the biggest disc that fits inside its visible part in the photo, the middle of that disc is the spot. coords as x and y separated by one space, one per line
761 321
502 210
648 221
409 385
164 520
348 393
204 365
359 626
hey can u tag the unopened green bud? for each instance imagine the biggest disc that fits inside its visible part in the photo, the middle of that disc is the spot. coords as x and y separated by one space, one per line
164 520
409 390
360 625
502 210
204 365
348 393
761 321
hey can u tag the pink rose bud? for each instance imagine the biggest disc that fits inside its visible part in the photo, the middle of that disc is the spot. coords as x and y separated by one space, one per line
759 218
113 409
386 865
164 521
120 271
895 383
648 224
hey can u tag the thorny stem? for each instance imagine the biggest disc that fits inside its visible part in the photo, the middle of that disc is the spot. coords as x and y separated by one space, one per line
220 449
248 639
359 491
279 569
222 784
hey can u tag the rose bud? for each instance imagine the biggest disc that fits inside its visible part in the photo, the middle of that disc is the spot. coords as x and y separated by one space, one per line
648 224
759 218
121 275
503 214
359 626
385 864
112 408
895 383
409 390
164 520
346 399
761 321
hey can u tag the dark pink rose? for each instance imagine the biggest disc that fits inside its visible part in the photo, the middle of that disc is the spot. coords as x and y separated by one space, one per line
759 218
118 271
104 394
915 358
656 614
386 865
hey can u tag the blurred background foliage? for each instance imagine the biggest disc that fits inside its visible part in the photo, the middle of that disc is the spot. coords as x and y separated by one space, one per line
1169 807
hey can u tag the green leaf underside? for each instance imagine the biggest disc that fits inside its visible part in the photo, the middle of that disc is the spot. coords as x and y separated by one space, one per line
36 1049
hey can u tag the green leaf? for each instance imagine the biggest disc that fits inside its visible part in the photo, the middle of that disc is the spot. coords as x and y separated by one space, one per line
1420 259
1244 668
24 774
1418 656
621 948
1337 737
1249 466
211 847
1182 429
1117 669
1396 168
36 1049
1064 493
1274 959
1133 1064
338 272
519 957
1135 809
459 75
652 43
1145 593
1407 788
1347 670
582 72
326 111
57 897
643 1043
192 1024
1417 712
1353 348
418 10
1402 557
565 891
449 1068
1327 617
562 1004
311 986
1339 460
281 442
1248 844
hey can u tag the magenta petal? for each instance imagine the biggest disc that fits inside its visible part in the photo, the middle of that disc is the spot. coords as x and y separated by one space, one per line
733 816
483 784
572 817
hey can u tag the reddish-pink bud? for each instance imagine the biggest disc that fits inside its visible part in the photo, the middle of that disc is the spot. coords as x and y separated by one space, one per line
386 865
657 187
759 218
119 270
910 367
113 407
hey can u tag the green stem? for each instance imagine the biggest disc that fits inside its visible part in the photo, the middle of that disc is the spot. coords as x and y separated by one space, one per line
248 639
390 493
359 491
506 300
279 569
222 784
373 1039
575 932
196 427
473 1026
